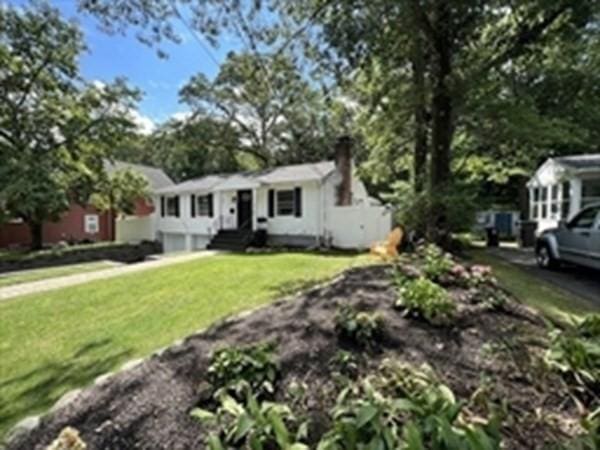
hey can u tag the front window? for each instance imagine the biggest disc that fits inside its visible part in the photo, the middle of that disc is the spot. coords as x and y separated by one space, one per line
590 192
203 205
566 199
173 206
285 203
91 223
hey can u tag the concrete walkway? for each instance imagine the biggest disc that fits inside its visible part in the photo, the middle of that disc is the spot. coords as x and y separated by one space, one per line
81 278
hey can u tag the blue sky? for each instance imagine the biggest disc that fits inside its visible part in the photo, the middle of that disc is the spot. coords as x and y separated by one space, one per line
110 56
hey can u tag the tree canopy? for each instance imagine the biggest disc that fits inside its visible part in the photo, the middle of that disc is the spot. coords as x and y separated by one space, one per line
55 128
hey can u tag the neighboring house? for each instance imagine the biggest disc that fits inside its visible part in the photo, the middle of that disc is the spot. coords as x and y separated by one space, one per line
561 187
305 205
85 223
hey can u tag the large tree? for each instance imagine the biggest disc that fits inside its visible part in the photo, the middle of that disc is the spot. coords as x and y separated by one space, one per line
55 129
278 116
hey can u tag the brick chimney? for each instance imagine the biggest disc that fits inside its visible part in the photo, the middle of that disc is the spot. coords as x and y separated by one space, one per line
343 163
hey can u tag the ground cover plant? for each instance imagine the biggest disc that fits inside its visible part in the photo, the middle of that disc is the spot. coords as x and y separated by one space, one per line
60 340
479 384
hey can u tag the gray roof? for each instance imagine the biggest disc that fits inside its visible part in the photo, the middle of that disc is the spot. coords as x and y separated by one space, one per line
283 174
157 178
580 162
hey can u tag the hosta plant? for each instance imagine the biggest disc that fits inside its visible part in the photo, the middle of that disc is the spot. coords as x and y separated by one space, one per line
436 263
252 424
424 298
360 327
255 365
404 407
576 354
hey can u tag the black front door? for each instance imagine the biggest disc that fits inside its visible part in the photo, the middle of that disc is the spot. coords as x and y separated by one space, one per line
244 209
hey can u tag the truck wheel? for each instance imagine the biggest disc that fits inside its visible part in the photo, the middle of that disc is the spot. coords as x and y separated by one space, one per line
545 259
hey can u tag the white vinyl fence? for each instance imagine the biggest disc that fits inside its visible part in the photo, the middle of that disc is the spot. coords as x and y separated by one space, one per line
357 226
135 229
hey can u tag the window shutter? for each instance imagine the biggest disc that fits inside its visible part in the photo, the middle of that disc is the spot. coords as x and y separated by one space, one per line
193 205
298 202
210 205
271 203
177 206
162 206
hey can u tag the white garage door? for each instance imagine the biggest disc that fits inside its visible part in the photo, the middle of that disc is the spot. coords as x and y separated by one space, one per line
173 242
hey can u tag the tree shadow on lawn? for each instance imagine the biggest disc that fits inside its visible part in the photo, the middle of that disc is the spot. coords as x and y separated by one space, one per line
37 390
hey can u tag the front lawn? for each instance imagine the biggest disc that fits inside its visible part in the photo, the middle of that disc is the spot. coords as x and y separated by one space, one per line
555 303
27 276
56 341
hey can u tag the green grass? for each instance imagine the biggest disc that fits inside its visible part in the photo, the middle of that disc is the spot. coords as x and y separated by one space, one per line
59 340
555 303
27 276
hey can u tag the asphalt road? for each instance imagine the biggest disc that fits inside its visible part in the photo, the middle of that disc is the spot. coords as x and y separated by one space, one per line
580 281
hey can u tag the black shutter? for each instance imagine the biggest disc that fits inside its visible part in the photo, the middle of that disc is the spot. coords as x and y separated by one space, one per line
177 206
210 205
271 203
298 202
193 205
162 206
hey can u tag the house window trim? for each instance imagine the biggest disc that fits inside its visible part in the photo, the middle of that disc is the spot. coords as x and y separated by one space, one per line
177 208
295 202
205 208
87 222
292 202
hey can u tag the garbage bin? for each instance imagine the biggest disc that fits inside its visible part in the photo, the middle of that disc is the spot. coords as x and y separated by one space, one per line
492 237
527 235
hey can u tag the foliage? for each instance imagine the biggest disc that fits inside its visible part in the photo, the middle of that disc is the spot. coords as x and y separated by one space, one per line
436 263
346 363
254 424
55 129
68 439
360 327
576 354
232 368
119 191
426 299
278 115
589 327
403 407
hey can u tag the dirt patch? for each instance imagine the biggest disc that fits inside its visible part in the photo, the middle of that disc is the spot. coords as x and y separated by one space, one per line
148 407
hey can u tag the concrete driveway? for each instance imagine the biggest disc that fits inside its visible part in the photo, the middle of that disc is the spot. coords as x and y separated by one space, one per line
582 282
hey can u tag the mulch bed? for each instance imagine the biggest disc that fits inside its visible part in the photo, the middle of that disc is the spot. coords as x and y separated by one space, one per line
148 407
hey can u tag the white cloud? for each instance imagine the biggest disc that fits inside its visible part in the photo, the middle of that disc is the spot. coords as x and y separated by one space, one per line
181 116
144 123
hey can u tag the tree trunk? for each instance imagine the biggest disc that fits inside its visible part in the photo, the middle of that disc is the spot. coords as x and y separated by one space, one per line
37 236
420 112
442 124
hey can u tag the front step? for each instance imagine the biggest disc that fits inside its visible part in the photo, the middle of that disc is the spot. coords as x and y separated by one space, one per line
231 240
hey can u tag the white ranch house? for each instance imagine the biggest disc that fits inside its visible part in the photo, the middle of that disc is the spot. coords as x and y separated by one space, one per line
561 187
305 205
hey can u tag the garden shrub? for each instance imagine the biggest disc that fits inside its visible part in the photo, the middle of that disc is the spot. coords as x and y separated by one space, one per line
426 299
575 353
255 365
252 424
404 408
436 263
362 328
